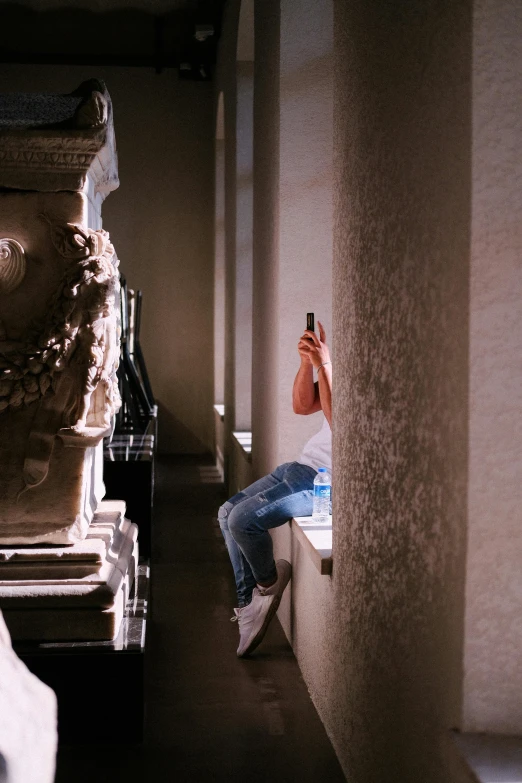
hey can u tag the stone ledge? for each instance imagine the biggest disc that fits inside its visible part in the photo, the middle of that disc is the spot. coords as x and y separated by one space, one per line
244 440
219 409
316 540
491 758
52 143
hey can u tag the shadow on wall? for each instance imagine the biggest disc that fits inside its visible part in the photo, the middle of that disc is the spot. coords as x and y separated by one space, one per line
171 431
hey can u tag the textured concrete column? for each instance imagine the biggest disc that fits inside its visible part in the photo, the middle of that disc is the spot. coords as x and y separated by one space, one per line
219 257
493 659
244 76
265 338
235 77
243 249
401 264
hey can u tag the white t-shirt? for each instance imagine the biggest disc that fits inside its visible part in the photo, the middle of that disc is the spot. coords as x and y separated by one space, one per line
317 453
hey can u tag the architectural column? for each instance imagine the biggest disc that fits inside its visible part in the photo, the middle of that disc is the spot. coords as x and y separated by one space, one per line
235 82
401 277
493 659
243 249
244 218
219 256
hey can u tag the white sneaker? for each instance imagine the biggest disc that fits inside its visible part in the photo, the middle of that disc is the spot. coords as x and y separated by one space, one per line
255 618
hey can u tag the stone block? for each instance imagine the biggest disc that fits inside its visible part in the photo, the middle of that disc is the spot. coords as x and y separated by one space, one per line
85 624
59 310
93 549
99 590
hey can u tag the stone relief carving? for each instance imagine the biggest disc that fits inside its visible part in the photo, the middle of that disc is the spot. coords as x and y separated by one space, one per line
93 112
48 156
83 322
53 145
12 265
49 149
73 355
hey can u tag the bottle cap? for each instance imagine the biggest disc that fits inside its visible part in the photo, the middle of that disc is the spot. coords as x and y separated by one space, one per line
321 470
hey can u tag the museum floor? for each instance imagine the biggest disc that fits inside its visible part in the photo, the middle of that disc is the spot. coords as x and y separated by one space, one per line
209 715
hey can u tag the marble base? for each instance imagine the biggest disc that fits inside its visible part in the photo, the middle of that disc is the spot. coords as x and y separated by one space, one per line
65 597
97 590
67 624
47 571
93 548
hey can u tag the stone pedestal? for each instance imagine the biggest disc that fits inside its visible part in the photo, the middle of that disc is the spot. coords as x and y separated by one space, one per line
113 668
77 593
67 560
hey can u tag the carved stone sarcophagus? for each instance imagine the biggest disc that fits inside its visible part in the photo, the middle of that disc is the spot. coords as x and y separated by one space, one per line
59 342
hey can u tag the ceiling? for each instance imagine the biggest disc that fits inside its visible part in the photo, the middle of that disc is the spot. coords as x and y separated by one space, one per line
155 34
154 6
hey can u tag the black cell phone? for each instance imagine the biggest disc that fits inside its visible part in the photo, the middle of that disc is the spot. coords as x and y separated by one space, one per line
310 322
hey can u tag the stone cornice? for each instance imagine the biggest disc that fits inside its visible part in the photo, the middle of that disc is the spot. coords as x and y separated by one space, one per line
61 158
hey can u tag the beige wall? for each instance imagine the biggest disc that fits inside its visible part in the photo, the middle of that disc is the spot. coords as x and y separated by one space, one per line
401 274
493 651
160 221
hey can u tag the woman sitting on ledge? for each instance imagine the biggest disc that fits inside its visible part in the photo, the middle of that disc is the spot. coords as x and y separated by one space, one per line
271 501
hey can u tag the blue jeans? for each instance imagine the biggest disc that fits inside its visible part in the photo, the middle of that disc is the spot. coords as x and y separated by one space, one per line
247 517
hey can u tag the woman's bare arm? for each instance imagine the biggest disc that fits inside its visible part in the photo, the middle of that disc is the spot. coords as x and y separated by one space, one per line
305 394
316 351
325 390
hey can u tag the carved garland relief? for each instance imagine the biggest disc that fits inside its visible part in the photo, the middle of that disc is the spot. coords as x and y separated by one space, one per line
75 350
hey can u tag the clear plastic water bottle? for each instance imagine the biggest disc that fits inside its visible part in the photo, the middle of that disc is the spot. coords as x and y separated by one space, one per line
322 495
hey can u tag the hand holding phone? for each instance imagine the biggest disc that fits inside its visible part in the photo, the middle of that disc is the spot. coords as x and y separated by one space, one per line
305 341
313 348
